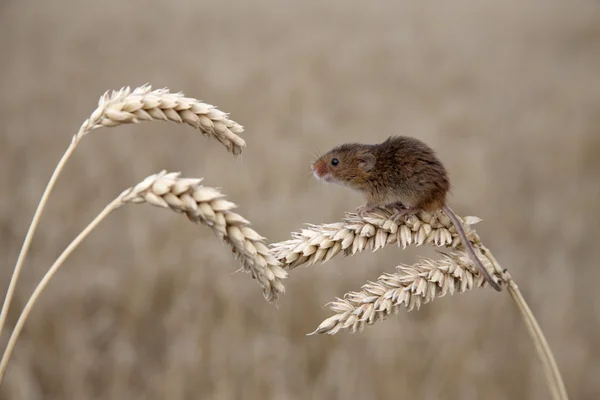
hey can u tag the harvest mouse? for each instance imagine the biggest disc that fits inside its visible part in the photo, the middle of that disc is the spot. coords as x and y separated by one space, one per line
402 173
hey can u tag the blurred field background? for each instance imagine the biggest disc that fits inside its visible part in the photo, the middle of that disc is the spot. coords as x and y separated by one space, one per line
148 307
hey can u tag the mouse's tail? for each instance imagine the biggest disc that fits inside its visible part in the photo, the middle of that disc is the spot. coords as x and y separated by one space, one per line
463 237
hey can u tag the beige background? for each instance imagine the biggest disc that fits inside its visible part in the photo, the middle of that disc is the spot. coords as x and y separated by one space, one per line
149 308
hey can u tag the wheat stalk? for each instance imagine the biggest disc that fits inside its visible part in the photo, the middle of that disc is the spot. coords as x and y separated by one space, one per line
201 204
133 106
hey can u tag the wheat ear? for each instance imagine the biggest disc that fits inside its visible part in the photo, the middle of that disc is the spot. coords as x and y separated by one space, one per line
201 204
206 205
320 243
133 106
420 283
410 286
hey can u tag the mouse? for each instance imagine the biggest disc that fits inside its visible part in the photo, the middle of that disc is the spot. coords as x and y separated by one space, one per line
401 173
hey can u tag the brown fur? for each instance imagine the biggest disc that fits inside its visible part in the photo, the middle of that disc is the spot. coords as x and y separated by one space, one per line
401 169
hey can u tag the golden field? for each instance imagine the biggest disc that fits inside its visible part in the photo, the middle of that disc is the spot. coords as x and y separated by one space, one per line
150 306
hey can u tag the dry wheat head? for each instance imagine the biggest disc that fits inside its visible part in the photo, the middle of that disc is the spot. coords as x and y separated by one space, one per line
206 205
410 286
127 106
319 243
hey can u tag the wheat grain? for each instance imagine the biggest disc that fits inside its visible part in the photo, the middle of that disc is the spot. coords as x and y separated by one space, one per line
127 106
207 205
411 286
319 243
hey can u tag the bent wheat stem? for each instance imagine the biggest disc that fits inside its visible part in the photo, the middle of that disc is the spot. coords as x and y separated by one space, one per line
551 371
46 279
29 236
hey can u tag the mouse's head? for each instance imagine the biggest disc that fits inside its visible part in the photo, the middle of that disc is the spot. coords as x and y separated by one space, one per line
348 164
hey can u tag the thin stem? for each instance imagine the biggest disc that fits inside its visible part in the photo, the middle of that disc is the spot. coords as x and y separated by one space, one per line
553 376
551 371
46 279
32 228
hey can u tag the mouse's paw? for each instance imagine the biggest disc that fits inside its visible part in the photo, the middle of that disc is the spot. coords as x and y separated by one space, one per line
363 210
401 212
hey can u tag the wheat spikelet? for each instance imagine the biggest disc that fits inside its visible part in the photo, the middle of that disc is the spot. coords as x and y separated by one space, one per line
206 205
127 106
319 243
410 286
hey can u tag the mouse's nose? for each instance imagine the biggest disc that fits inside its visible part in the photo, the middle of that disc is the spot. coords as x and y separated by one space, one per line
315 169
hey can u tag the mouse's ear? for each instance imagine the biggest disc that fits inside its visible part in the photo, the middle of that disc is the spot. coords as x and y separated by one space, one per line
366 162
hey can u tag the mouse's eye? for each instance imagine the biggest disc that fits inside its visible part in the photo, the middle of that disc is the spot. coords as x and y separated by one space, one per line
335 161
